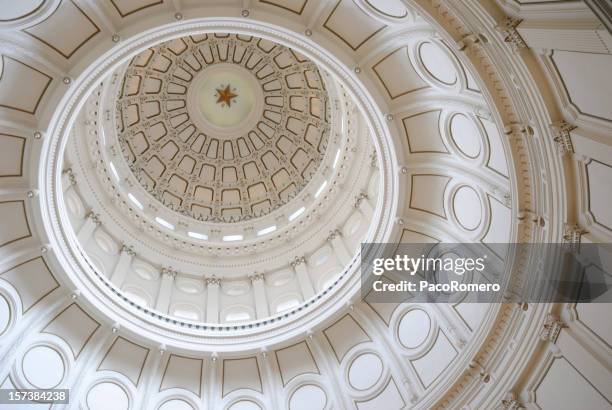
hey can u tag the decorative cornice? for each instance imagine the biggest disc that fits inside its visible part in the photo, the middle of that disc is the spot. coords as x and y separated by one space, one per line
336 233
517 130
213 280
483 374
563 136
511 34
551 328
94 217
511 403
71 177
468 41
256 277
572 235
169 271
373 159
127 249
298 260
359 198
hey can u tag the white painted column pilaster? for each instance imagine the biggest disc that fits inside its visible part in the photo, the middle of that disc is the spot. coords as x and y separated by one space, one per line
212 299
165 290
213 398
324 357
151 369
335 238
122 267
92 221
259 291
269 381
301 272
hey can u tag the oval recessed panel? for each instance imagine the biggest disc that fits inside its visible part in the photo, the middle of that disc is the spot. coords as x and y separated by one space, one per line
308 397
235 288
438 63
467 207
190 286
107 395
446 276
186 311
465 135
39 358
74 204
144 270
390 8
320 256
105 242
413 328
97 264
137 296
279 278
365 371
353 224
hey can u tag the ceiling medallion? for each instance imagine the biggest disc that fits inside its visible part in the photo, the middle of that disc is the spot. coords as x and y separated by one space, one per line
225 95
222 127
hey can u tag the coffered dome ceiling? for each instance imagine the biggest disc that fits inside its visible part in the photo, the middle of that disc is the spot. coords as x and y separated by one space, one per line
223 127
185 187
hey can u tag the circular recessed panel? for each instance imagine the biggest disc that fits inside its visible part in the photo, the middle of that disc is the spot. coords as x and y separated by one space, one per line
12 10
437 63
245 405
175 404
107 395
5 314
365 371
465 135
223 127
308 397
226 97
225 100
414 328
43 357
467 207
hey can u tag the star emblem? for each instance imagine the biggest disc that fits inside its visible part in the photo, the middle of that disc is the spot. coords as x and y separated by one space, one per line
225 96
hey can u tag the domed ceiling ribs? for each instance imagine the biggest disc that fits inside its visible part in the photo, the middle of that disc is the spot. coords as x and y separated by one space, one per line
372 355
213 177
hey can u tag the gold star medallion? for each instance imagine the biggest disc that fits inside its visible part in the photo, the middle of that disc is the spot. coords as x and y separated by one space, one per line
225 95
